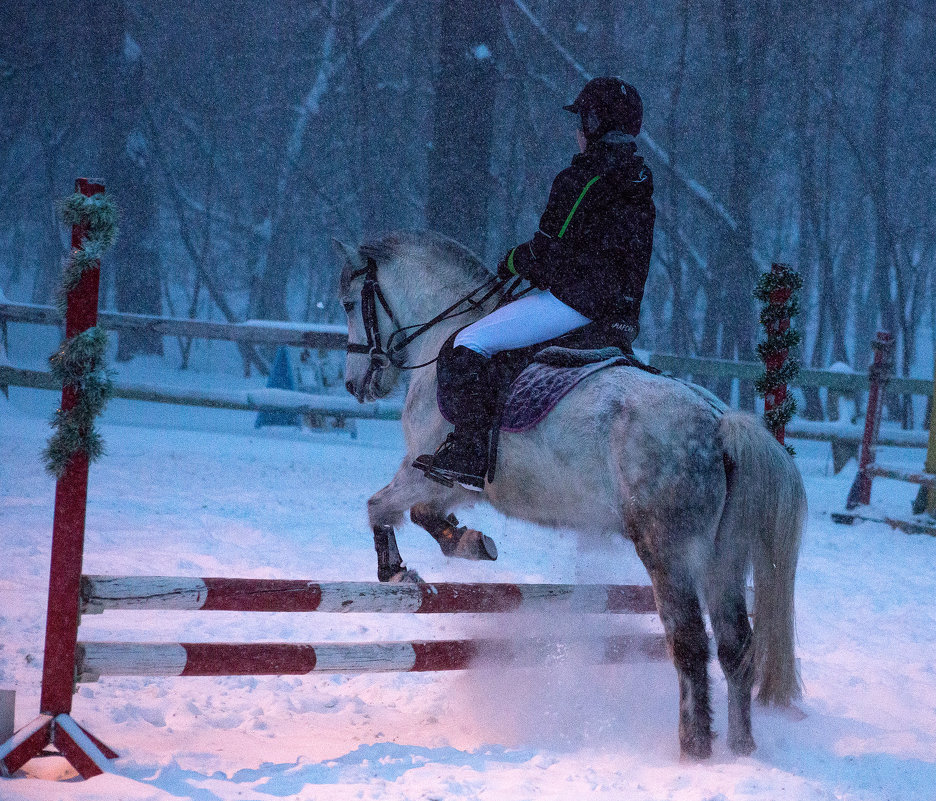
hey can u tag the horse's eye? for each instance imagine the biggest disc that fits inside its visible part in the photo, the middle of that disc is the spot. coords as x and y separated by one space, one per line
348 306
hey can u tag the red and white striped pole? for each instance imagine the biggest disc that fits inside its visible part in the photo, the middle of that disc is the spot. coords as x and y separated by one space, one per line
100 593
99 659
54 726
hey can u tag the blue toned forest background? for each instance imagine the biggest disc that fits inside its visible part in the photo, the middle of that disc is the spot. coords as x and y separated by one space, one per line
238 138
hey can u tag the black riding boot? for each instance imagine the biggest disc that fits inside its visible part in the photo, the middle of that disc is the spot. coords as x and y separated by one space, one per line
466 378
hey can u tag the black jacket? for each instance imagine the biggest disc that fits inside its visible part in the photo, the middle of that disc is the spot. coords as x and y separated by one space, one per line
592 250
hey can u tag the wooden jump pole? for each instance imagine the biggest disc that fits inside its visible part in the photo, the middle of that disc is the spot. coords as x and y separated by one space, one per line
100 593
868 468
98 659
54 725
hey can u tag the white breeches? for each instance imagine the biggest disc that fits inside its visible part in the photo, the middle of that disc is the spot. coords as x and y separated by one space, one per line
528 321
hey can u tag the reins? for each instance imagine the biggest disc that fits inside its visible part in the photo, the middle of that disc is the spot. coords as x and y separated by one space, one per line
371 294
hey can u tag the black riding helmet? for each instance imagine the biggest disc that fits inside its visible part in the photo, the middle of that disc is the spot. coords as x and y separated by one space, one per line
608 104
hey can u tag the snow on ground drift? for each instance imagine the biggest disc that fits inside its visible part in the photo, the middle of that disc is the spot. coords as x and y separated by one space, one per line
174 498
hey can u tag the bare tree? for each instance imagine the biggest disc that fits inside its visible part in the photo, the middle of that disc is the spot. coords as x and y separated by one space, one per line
460 155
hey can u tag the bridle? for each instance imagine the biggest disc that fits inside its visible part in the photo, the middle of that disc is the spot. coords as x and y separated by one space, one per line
382 357
371 293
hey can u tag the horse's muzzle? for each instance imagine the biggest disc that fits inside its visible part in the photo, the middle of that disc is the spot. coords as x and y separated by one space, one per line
379 360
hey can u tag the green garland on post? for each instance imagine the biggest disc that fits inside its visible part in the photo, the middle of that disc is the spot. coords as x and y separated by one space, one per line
80 361
777 342
99 213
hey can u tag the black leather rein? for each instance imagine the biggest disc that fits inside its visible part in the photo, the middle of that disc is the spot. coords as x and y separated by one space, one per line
372 294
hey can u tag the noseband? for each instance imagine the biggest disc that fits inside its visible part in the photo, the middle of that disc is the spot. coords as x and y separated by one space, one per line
372 294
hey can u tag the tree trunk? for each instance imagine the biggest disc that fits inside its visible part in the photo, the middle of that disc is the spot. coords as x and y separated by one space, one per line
804 127
460 156
680 334
276 259
736 261
884 245
129 176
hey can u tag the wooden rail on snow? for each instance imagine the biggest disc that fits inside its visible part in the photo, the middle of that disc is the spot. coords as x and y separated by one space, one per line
257 332
258 400
831 379
335 337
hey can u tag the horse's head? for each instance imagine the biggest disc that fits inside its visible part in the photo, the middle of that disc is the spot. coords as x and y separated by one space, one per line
369 373
391 285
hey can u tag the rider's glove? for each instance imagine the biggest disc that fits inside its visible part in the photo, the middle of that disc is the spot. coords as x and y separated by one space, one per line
505 269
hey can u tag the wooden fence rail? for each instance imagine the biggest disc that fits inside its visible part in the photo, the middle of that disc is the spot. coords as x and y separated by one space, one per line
342 407
807 377
256 332
257 400
335 337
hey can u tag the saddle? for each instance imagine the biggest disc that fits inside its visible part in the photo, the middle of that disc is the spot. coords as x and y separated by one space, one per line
529 389
531 383
553 374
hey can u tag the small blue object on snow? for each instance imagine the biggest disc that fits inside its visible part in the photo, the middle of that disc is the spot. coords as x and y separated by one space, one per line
281 377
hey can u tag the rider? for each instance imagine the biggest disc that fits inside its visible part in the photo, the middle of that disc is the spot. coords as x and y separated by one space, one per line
590 255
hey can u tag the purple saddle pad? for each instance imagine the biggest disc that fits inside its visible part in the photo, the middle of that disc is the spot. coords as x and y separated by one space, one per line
537 390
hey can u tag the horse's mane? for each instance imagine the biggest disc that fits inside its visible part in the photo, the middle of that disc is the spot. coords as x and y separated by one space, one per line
433 248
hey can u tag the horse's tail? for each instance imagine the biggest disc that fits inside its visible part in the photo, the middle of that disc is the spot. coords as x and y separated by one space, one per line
767 506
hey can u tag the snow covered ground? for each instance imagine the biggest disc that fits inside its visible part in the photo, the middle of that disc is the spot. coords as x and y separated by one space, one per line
195 492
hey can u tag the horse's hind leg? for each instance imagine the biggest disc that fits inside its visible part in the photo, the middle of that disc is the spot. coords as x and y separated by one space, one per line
677 600
728 612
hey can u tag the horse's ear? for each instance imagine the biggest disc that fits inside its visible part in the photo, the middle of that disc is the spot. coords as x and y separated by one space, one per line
347 254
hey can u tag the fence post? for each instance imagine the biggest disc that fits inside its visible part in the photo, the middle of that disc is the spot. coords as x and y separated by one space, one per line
7 707
930 465
54 725
776 290
925 500
775 398
878 374
71 493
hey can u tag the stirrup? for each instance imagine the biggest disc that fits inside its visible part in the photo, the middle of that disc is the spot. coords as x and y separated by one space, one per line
448 478
424 463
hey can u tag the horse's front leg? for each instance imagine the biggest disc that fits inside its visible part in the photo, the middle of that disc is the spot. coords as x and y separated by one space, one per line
386 510
390 565
454 540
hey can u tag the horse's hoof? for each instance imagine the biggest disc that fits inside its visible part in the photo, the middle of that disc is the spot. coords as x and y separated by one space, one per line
695 749
742 745
406 576
471 544
455 541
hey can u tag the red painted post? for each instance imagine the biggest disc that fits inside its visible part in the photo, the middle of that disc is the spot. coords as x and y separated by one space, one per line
54 726
860 493
71 492
775 361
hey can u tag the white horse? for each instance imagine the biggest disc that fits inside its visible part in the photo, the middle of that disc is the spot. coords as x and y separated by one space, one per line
703 493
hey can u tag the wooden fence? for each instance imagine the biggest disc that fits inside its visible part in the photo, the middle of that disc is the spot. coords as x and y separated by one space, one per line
334 337
259 332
